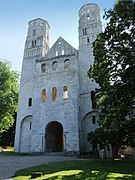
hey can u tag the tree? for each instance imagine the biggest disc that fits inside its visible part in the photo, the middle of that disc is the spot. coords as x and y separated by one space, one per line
114 71
8 95
8 136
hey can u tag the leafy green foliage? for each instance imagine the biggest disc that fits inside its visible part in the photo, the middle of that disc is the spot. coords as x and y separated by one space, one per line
8 95
114 71
72 170
8 136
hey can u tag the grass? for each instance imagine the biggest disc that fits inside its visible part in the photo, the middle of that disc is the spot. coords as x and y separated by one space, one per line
7 148
83 170
90 155
10 151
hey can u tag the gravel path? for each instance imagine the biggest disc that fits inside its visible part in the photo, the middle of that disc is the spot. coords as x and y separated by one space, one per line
10 164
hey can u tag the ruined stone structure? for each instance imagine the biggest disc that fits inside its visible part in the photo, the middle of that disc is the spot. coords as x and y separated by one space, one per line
56 99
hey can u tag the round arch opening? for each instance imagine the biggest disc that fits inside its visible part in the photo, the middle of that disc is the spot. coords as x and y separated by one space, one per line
25 134
54 137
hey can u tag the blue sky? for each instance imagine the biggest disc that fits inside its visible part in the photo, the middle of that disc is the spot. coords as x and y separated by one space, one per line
62 16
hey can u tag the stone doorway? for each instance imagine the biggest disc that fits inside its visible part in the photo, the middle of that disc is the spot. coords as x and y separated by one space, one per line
54 137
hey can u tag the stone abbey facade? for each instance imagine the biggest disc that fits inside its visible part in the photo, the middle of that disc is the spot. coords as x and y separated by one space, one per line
56 108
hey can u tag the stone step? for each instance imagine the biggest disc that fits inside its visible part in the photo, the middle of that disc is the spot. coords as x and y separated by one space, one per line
63 153
60 153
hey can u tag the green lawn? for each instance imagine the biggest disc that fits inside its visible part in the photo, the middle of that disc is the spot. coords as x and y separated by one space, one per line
10 151
83 170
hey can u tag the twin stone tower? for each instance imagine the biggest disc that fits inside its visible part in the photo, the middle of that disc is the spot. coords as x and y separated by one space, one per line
56 108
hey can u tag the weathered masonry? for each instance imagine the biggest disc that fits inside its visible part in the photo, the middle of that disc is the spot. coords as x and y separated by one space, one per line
56 98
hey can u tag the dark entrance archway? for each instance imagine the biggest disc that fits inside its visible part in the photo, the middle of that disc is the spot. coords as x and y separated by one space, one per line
54 137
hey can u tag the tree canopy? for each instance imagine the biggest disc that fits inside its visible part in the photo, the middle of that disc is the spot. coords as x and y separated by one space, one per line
114 71
8 95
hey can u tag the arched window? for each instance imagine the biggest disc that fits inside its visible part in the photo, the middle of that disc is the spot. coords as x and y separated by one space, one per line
65 92
54 93
30 102
32 44
43 95
93 38
43 68
93 99
84 31
66 63
54 65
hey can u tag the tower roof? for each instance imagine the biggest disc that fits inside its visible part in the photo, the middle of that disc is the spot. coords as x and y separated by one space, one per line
39 19
87 6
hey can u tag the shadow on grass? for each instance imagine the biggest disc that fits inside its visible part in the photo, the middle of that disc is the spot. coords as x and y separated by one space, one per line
75 170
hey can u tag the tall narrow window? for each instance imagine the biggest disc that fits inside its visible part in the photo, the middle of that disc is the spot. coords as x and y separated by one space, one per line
43 95
93 38
35 43
93 119
88 40
65 92
43 68
34 32
30 102
54 93
30 125
62 52
84 31
93 99
32 44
